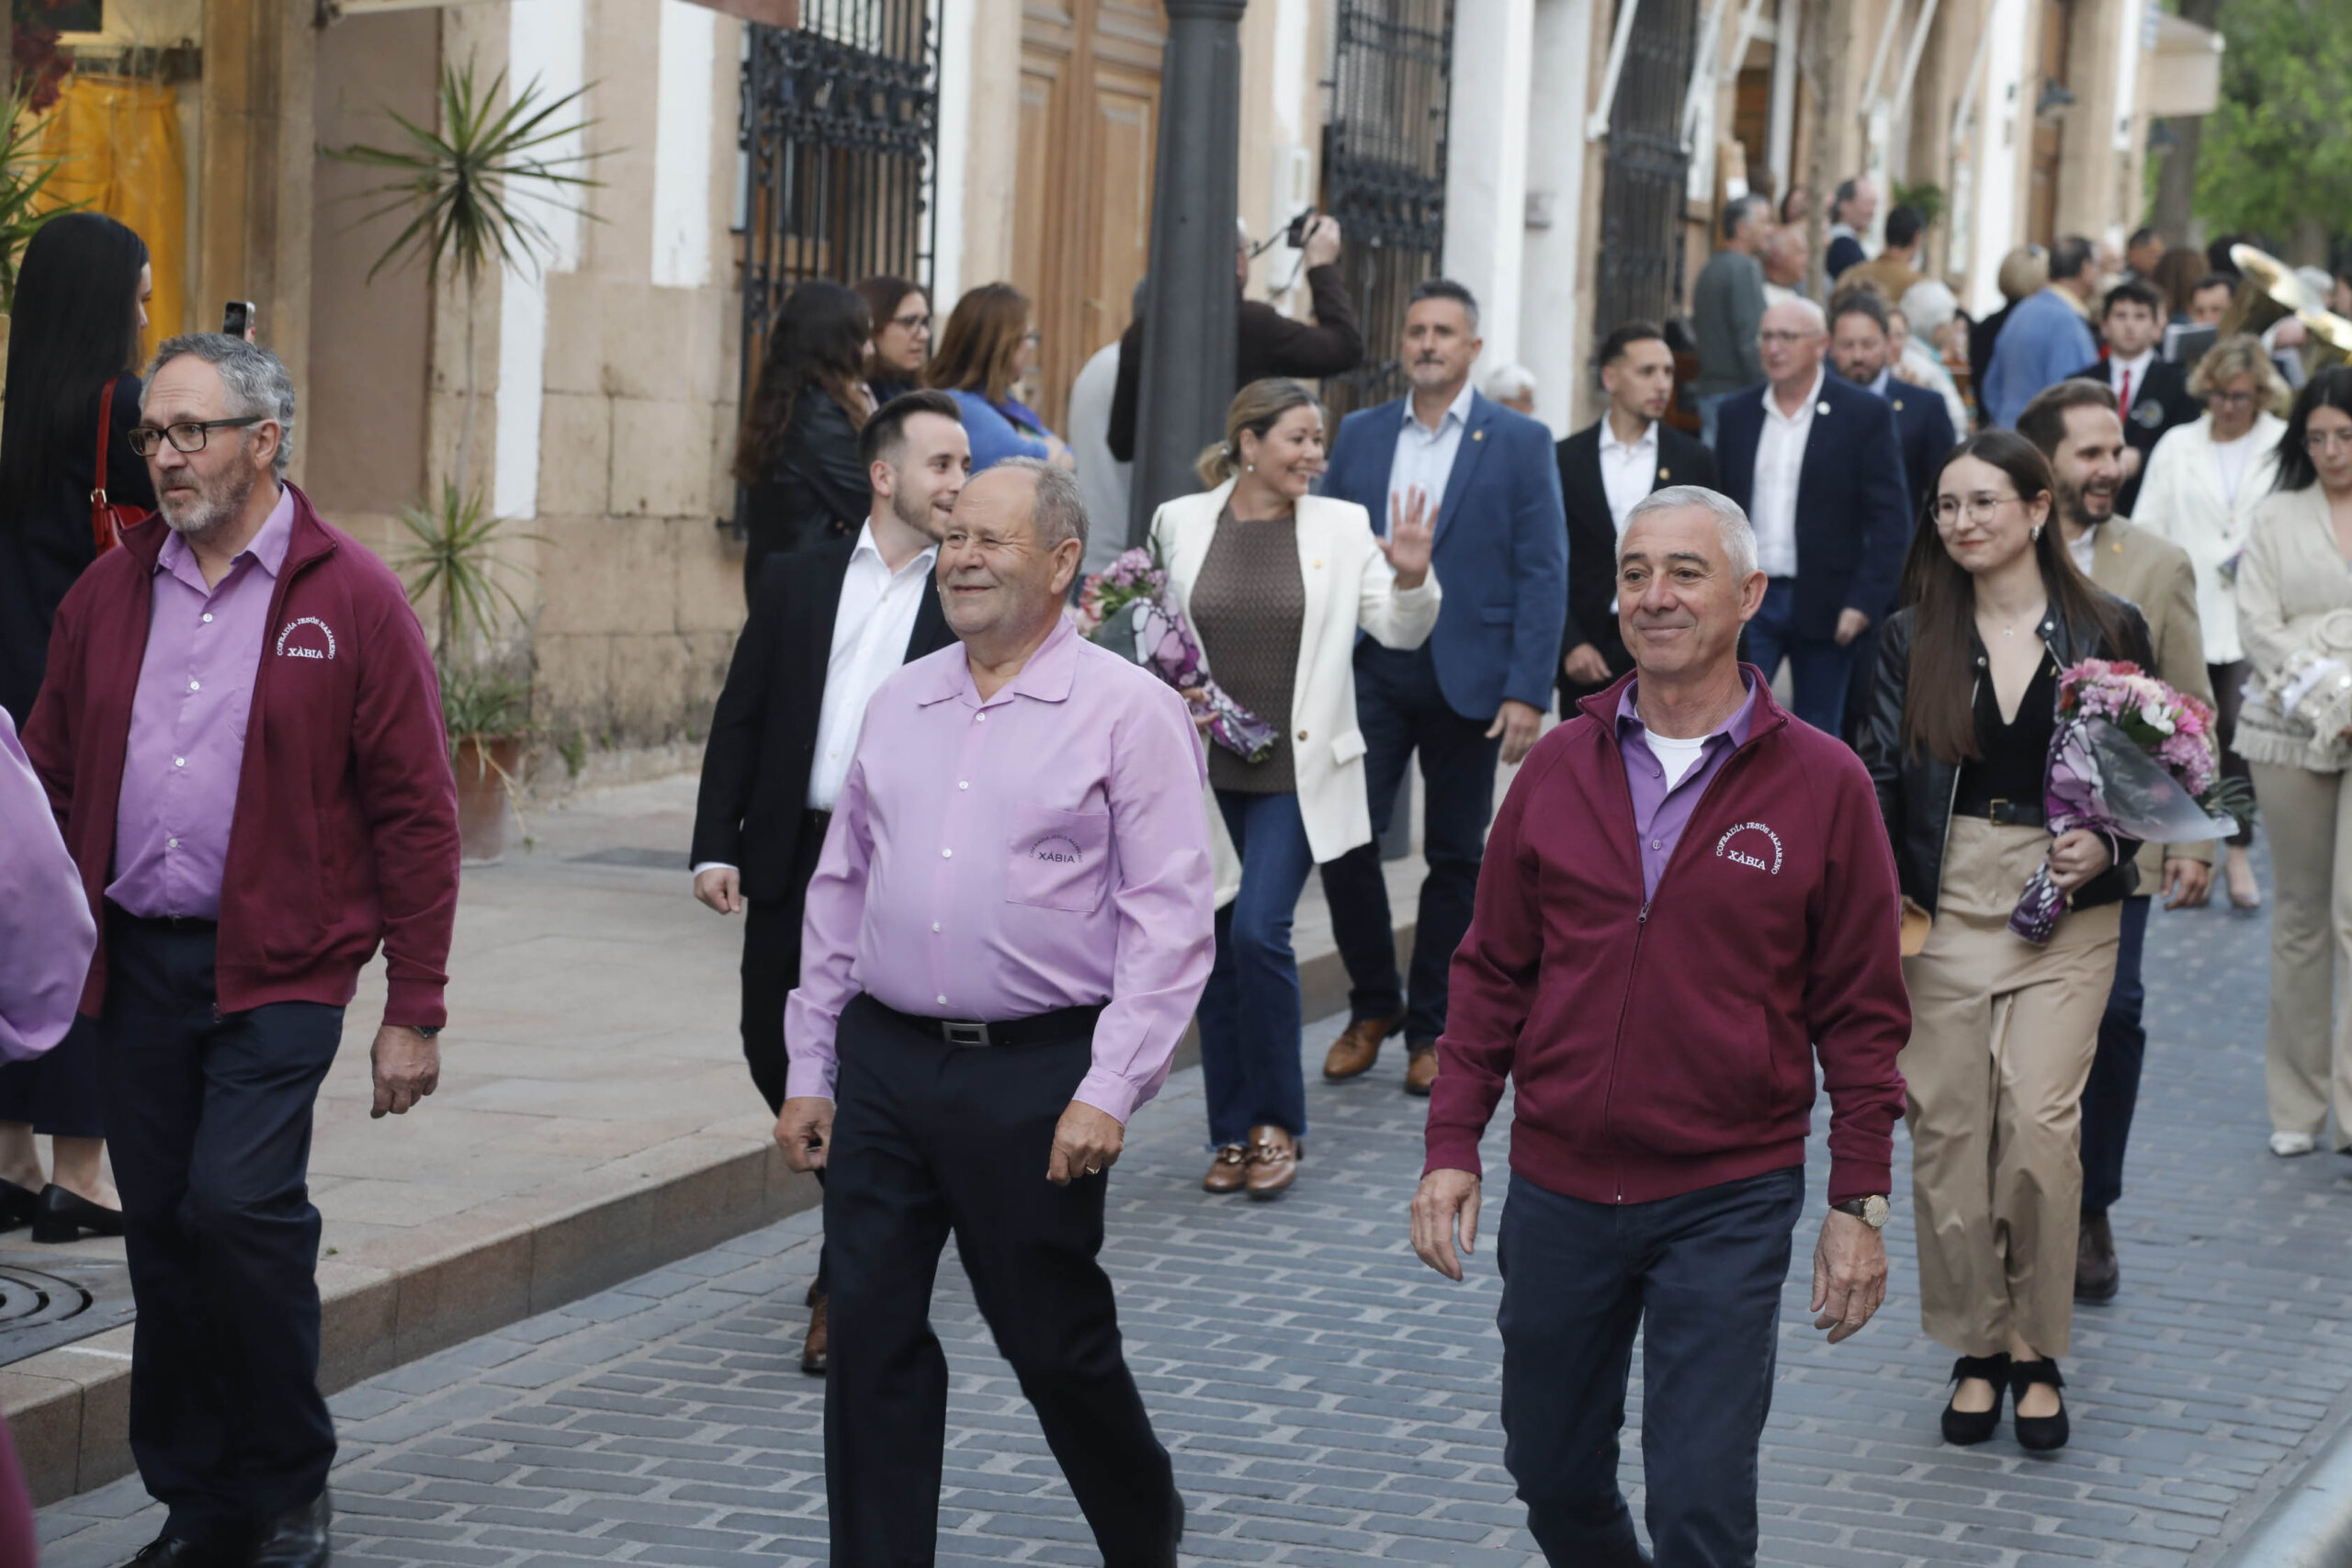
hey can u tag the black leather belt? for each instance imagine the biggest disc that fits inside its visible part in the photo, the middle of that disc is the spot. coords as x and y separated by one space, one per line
1044 1029
2004 813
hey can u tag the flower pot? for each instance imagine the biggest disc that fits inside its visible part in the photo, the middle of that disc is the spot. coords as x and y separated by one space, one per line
487 767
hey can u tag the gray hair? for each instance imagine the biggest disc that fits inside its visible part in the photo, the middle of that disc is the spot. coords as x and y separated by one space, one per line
256 380
1731 524
1058 509
1929 307
1511 381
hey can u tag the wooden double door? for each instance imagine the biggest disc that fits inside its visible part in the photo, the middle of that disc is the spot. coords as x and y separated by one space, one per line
1089 121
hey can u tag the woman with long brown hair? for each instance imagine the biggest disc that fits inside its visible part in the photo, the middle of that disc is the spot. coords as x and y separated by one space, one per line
797 451
2002 1031
899 308
988 348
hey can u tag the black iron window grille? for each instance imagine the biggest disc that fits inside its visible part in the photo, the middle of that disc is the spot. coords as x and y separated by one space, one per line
839 148
1645 171
1383 172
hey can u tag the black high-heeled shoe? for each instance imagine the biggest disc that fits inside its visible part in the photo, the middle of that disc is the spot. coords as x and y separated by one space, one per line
1966 1426
2038 1433
64 1216
19 1205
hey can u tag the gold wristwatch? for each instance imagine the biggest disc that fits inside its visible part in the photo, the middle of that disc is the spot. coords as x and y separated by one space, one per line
1871 1211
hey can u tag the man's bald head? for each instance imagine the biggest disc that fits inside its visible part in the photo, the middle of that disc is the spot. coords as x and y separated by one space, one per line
1792 339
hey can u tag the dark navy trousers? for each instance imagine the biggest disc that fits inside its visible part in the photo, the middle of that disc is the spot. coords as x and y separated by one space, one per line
209 1125
2113 1088
1700 1277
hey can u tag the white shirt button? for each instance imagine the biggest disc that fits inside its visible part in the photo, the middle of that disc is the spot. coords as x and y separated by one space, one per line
979 719
207 617
943 1001
934 925
179 761
194 686
963 783
1657 844
170 844
947 854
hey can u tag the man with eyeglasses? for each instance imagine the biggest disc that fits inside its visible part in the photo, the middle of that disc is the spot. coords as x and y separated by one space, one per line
1817 464
242 735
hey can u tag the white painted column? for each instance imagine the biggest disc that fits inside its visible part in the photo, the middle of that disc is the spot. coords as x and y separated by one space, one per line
1485 175
687 41
546 43
1551 317
954 21
2002 121
1781 138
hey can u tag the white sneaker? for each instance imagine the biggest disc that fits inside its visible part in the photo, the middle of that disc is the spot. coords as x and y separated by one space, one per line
2288 1145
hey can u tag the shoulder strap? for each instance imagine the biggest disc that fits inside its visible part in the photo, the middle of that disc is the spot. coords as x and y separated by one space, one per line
106 418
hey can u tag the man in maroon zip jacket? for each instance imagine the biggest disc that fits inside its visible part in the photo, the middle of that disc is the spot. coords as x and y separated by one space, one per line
1688 895
241 735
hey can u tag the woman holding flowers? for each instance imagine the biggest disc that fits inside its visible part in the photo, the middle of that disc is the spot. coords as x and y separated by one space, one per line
1277 582
2003 1029
2294 599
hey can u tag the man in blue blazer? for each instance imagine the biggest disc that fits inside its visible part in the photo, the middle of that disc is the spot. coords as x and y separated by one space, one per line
1817 464
1475 691
1865 355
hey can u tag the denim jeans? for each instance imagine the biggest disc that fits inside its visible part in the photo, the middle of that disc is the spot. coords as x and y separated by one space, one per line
1819 669
1700 1275
1250 1012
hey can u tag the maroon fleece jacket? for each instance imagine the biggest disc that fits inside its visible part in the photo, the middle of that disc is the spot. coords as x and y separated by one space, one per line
1663 1047
346 829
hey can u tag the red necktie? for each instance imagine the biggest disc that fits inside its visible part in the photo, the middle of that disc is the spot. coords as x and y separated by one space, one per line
2124 397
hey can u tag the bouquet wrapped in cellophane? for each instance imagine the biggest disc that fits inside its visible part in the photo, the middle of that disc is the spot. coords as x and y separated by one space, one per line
1126 608
2132 758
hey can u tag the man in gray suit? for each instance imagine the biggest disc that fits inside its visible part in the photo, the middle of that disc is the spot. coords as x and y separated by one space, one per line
1728 308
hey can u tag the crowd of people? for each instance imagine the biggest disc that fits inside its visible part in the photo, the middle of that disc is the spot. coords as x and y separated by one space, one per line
988 871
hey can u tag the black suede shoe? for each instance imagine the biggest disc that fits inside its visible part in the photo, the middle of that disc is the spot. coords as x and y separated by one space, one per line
64 1216
2038 1433
172 1551
298 1537
1967 1426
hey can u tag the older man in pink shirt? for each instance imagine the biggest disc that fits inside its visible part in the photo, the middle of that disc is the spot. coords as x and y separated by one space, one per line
1005 938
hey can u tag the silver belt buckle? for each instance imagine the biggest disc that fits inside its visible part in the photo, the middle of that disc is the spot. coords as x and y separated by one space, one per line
965 1034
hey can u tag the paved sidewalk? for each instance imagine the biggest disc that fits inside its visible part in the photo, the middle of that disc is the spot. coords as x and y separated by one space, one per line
1330 1402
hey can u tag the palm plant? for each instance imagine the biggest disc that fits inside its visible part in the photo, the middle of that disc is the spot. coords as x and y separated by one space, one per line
24 177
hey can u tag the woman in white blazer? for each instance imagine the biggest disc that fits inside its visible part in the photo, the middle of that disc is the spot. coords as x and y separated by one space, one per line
1276 582
2203 483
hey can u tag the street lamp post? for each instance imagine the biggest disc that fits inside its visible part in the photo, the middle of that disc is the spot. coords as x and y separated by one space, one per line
1189 309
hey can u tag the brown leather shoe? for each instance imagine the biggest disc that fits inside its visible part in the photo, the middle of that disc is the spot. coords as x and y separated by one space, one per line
1420 1069
2096 1275
812 1349
1274 1162
1358 1046
1229 1172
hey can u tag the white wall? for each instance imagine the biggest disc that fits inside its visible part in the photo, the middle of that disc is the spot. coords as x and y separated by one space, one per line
2003 122
955 143
1486 158
1551 317
682 144
546 40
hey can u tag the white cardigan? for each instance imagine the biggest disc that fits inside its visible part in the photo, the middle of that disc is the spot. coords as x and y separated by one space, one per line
1350 584
2180 500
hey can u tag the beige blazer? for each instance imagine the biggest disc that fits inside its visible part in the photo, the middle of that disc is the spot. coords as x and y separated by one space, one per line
2133 564
1350 585
2294 572
2180 500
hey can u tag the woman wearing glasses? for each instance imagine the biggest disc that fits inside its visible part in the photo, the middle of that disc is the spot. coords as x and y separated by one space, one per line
901 311
81 304
2294 605
2203 483
988 348
2002 1031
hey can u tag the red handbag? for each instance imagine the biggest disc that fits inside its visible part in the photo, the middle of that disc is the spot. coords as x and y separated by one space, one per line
108 519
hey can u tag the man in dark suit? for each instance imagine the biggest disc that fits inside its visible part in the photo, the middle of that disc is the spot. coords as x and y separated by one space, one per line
1605 468
1816 463
1476 691
828 625
1865 355
2152 390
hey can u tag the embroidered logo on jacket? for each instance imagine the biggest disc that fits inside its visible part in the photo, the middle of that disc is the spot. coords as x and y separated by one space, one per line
1741 844
306 636
1055 850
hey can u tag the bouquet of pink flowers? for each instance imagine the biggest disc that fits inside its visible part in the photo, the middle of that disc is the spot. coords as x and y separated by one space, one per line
2131 758
1126 608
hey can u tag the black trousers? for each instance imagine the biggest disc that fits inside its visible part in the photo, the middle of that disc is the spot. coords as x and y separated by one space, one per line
208 1122
771 970
1700 1275
931 1139
2112 1091
1400 711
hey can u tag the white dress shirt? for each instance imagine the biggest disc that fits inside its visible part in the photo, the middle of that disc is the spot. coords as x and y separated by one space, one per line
1779 464
1627 472
1424 458
2085 548
2126 377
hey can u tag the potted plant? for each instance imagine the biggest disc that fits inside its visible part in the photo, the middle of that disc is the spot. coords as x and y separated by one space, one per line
24 176
457 186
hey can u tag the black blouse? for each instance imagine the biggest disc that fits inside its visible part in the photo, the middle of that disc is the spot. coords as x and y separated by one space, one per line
2013 760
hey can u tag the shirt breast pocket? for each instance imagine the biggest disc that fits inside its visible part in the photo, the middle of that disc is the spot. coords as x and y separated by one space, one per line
1059 860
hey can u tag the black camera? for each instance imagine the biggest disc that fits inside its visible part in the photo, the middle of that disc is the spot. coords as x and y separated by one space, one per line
1295 235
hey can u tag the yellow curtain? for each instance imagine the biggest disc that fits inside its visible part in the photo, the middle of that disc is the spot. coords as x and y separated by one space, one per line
118 142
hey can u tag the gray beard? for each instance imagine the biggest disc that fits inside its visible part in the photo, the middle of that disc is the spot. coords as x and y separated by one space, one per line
209 513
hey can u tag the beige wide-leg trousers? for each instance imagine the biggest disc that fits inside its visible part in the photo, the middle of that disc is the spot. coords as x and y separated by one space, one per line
2002 1036
2309 817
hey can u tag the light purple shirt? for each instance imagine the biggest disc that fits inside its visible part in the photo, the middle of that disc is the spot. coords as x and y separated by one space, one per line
1660 814
187 724
991 860
46 931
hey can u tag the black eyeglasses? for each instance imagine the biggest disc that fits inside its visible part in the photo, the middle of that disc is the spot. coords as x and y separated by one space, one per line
185 435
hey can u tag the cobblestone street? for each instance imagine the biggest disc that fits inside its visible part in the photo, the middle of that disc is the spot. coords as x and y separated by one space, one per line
1330 1401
